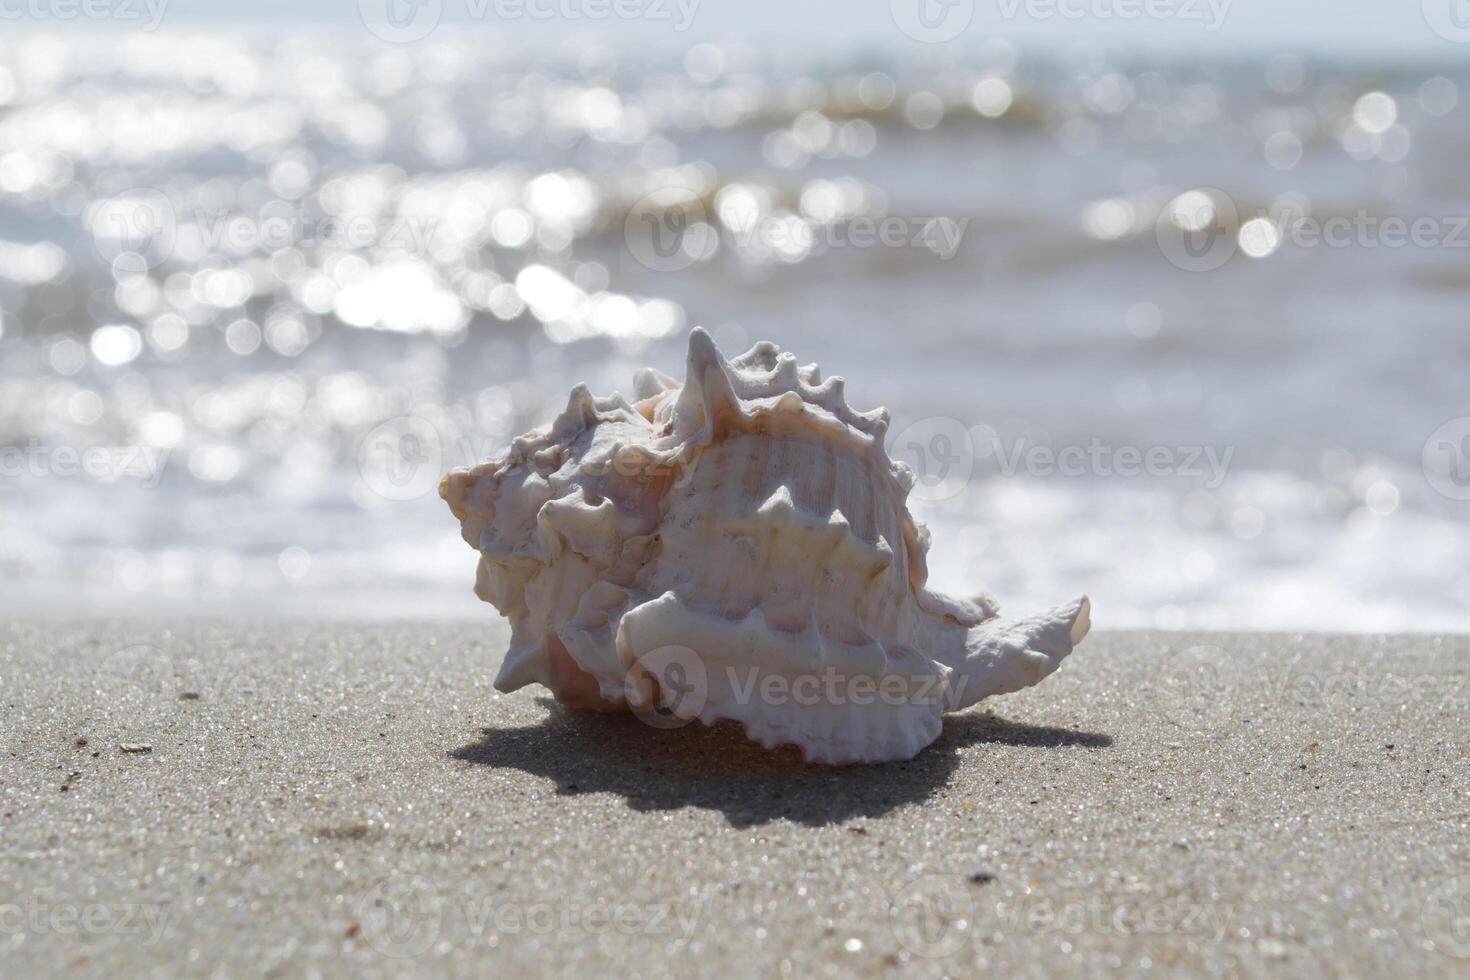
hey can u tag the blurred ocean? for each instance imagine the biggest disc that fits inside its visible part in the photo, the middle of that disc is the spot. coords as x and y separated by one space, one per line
1187 335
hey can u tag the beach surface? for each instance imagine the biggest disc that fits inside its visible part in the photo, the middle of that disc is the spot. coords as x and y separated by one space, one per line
197 797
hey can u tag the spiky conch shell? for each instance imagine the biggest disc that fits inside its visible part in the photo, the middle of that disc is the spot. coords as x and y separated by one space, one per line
748 528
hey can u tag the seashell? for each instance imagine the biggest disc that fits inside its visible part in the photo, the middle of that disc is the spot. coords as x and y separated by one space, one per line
736 547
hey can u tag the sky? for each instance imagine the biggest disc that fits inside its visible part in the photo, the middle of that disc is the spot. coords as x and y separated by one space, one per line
1431 28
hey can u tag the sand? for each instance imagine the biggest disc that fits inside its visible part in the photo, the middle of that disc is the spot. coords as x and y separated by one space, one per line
225 798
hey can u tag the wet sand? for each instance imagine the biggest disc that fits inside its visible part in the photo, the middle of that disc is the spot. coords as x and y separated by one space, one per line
208 797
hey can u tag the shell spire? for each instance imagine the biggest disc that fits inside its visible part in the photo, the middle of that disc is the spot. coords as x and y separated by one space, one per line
708 394
747 527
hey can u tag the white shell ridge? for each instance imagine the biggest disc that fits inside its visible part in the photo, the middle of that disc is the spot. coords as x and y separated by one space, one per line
736 547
